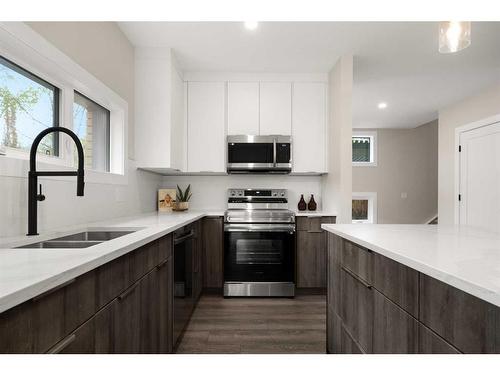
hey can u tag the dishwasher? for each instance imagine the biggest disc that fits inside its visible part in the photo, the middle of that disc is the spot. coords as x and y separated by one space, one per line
183 279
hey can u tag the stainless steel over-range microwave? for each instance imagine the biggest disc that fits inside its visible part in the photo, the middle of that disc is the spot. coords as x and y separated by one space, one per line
259 154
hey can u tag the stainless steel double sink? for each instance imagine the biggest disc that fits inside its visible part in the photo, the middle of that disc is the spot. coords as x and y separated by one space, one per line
79 240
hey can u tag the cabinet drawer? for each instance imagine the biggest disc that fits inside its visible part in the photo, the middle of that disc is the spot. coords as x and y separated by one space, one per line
333 332
394 330
430 343
468 323
358 260
112 279
143 260
397 282
313 224
357 309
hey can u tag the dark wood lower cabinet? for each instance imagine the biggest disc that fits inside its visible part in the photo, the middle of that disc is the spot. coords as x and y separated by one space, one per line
311 258
378 305
124 306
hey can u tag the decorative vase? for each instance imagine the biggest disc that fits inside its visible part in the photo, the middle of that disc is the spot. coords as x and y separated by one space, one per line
180 206
311 206
302 203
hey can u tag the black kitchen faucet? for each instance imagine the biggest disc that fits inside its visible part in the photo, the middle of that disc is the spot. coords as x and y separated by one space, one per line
33 195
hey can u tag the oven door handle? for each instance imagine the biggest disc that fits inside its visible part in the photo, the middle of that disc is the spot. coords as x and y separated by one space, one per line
290 228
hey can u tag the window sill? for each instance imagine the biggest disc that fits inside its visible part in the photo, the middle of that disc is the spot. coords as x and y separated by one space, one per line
364 164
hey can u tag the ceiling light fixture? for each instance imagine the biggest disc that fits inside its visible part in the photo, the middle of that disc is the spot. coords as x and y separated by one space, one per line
454 36
382 105
251 25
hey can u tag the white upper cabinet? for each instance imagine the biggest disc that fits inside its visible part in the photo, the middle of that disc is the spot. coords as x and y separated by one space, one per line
275 108
206 126
159 111
309 127
243 108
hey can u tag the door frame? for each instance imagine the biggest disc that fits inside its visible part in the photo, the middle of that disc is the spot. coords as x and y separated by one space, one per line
458 132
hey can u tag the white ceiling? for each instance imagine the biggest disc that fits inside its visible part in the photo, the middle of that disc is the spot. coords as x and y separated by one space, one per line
395 62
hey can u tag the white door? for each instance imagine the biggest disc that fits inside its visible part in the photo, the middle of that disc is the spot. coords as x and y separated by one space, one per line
309 127
480 177
275 108
206 126
243 108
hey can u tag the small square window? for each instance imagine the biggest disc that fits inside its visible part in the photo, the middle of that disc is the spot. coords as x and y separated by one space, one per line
364 208
364 152
91 123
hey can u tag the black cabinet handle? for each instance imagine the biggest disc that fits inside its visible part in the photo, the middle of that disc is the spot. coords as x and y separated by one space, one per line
59 347
352 274
126 293
162 264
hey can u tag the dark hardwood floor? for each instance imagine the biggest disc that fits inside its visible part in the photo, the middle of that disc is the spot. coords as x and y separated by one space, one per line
257 325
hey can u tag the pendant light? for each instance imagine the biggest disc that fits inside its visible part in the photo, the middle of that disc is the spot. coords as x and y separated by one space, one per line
454 36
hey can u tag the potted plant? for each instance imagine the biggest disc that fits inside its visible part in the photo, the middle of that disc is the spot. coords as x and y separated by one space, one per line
182 199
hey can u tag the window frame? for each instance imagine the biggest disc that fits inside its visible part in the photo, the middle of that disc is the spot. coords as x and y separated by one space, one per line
22 46
57 100
371 197
373 148
108 130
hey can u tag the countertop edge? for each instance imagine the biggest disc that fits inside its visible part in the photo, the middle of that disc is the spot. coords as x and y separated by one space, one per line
447 278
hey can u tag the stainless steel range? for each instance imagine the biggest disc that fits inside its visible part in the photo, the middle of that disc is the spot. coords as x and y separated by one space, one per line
259 244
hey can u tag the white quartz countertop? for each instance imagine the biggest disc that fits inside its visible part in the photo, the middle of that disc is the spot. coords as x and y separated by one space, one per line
26 273
464 257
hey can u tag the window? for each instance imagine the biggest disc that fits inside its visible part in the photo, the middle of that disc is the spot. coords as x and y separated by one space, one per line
91 123
28 105
364 148
364 208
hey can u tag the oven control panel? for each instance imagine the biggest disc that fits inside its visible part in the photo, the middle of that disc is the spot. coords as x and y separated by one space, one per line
256 193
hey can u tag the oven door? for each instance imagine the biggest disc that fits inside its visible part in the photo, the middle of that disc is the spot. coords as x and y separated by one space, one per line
259 252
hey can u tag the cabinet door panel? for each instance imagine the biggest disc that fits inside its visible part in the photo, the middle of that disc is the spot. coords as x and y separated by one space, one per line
149 289
16 330
357 310
213 245
394 330
165 288
396 281
206 127
334 297
311 260
275 108
112 279
243 108
143 260
468 323
333 329
126 321
309 127
347 344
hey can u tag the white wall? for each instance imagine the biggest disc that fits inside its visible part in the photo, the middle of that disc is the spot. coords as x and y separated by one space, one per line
479 107
407 162
210 192
88 44
337 184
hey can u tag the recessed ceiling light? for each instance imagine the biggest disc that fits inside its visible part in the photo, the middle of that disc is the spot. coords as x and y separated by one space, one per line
382 105
251 25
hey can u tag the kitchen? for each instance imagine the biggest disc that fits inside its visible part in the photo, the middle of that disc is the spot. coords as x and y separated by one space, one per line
193 196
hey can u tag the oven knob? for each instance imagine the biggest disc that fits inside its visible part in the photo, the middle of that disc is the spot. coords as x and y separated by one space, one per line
240 193
275 194
233 193
282 194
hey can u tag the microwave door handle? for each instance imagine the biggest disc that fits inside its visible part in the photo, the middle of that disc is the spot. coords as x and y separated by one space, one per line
274 152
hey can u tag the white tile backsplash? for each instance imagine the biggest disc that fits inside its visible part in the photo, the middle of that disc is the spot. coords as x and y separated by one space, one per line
210 192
